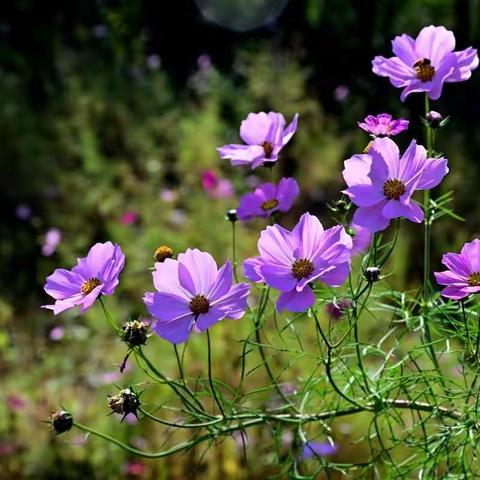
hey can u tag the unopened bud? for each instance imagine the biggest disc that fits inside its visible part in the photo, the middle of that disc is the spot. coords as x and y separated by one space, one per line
372 274
135 333
435 119
61 421
126 402
162 253
231 215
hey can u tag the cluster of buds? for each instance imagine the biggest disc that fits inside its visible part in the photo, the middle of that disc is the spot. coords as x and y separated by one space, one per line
135 333
61 421
126 402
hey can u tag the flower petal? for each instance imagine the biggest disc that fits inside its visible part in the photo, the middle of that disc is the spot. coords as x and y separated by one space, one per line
294 301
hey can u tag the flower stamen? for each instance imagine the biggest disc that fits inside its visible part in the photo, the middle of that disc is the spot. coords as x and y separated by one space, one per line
89 285
269 204
199 304
162 253
302 268
268 148
424 70
474 279
393 189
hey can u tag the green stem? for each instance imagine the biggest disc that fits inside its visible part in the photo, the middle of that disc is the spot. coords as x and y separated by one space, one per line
210 379
234 252
109 317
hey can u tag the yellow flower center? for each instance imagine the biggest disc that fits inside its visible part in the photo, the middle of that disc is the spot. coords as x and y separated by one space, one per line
162 253
268 148
393 189
89 285
199 304
302 268
474 279
269 204
424 69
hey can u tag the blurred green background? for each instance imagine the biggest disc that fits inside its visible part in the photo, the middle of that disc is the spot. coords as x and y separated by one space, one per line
110 113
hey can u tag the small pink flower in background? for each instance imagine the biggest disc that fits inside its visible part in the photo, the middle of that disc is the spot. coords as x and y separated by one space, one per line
425 63
129 218
383 125
16 402
215 186
51 241
204 62
154 62
337 309
341 93
135 469
57 333
168 195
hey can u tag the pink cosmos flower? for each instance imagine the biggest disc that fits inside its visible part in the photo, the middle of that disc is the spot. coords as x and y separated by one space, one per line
383 125
268 199
96 274
462 276
290 261
129 218
424 64
193 291
381 183
264 134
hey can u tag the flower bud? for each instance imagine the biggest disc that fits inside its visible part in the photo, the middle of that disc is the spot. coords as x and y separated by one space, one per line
372 274
435 119
162 253
135 333
61 421
126 402
231 215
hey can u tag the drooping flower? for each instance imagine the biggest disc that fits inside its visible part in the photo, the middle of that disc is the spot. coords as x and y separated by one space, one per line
264 134
96 274
362 238
268 199
424 64
462 276
51 241
318 449
381 183
290 261
215 186
337 308
383 125
193 291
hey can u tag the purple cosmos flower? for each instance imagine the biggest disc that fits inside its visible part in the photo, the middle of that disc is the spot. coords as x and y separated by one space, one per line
264 134
463 275
383 125
382 184
52 239
362 238
193 291
290 261
318 449
424 64
268 199
341 93
96 274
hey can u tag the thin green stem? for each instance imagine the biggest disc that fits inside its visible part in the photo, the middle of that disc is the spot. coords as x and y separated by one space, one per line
210 378
234 251
109 318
